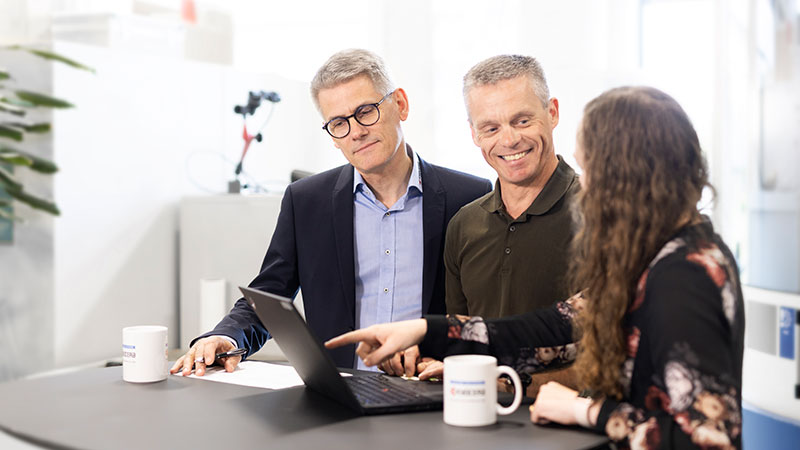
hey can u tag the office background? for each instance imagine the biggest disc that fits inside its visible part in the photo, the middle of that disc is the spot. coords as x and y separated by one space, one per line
155 125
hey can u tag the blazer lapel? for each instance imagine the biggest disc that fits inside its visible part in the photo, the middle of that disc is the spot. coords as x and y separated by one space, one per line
433 216
342 204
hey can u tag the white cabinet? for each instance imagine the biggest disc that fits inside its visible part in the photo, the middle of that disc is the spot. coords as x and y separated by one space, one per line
222 237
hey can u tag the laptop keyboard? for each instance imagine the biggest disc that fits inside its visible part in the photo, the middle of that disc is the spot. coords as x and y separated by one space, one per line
376 390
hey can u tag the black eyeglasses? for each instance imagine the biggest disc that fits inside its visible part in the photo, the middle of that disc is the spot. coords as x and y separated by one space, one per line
366 115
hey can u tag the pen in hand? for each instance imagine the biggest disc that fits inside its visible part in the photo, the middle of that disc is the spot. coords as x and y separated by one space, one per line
237 352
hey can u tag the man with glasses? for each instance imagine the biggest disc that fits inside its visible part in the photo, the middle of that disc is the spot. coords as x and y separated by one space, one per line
364 241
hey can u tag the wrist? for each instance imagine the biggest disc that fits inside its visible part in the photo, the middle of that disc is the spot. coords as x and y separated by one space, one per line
422 329
581 408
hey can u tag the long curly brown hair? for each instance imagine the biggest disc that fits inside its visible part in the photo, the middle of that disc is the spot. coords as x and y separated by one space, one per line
644 173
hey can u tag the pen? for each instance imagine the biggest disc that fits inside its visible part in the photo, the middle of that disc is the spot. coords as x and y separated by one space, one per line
237 352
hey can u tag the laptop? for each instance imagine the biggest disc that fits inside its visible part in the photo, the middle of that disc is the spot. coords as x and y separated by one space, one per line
364 392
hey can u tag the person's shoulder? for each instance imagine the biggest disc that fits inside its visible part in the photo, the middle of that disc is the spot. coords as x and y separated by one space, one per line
326 180
694 266
570 176
695 245
468 213
474 207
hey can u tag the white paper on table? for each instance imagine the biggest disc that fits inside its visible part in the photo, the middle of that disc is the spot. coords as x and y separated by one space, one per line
255 374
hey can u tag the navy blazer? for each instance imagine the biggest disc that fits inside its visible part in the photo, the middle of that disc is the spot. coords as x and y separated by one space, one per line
312 248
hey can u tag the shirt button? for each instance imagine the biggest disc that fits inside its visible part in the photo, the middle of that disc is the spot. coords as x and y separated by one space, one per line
388 251
385 289
512 228
387 214
508 251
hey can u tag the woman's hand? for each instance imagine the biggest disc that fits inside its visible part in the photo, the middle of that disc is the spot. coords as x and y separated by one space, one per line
560 404
378 343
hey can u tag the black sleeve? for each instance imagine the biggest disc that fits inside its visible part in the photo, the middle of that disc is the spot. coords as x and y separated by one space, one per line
529 342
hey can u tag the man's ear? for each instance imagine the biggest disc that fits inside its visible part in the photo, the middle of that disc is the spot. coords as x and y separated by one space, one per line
401 99
552 111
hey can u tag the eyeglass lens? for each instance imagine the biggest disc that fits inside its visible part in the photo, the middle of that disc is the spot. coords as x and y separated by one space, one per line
366 115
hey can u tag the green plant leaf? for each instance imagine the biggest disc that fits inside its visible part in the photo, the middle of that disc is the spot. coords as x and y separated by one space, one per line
17 102
10 132
11 109
4 74
42 127
43 100
32 200
53 56
15 159
8 181
37 164
6 211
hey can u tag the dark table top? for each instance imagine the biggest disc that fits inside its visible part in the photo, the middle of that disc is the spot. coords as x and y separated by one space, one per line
96 409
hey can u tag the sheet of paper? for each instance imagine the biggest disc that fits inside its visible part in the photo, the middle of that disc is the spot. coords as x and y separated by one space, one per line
255 374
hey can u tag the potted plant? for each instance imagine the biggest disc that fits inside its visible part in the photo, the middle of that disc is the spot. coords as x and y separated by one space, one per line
15 103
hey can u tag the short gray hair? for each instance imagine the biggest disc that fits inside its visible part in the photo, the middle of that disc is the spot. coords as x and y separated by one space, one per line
506 67
348 64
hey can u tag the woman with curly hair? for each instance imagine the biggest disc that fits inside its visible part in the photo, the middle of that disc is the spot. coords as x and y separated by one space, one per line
657 332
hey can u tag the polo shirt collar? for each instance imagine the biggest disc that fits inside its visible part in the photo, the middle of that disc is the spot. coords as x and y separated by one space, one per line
553 190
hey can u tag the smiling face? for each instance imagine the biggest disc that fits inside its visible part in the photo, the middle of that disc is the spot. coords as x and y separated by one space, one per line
370 149
514 130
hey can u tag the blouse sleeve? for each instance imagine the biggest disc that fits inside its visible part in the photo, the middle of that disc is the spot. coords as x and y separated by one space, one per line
690 342
529 342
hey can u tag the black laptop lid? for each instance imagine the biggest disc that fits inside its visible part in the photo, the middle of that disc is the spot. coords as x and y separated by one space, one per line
301 347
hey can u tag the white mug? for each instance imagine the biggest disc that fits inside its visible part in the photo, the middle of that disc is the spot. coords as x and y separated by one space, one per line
144 354
470 390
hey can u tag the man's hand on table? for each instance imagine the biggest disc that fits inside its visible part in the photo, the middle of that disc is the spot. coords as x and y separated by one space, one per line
430 368
402 363
203 353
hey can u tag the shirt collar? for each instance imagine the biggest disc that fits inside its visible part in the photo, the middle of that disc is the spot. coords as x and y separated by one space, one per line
415 180
555 188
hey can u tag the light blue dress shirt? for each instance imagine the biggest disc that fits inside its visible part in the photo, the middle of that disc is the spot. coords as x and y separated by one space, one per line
388 251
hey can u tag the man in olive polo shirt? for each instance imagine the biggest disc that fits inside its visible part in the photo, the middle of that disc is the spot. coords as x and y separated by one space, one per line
507 252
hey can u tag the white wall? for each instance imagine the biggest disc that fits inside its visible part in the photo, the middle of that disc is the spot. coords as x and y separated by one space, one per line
123 155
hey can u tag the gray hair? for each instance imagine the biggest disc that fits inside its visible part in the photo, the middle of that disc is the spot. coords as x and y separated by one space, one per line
506 67
348 64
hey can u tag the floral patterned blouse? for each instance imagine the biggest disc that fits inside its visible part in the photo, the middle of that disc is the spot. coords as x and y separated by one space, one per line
685 337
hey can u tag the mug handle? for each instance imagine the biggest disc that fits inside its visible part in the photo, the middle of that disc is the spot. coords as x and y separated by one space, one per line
505 410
